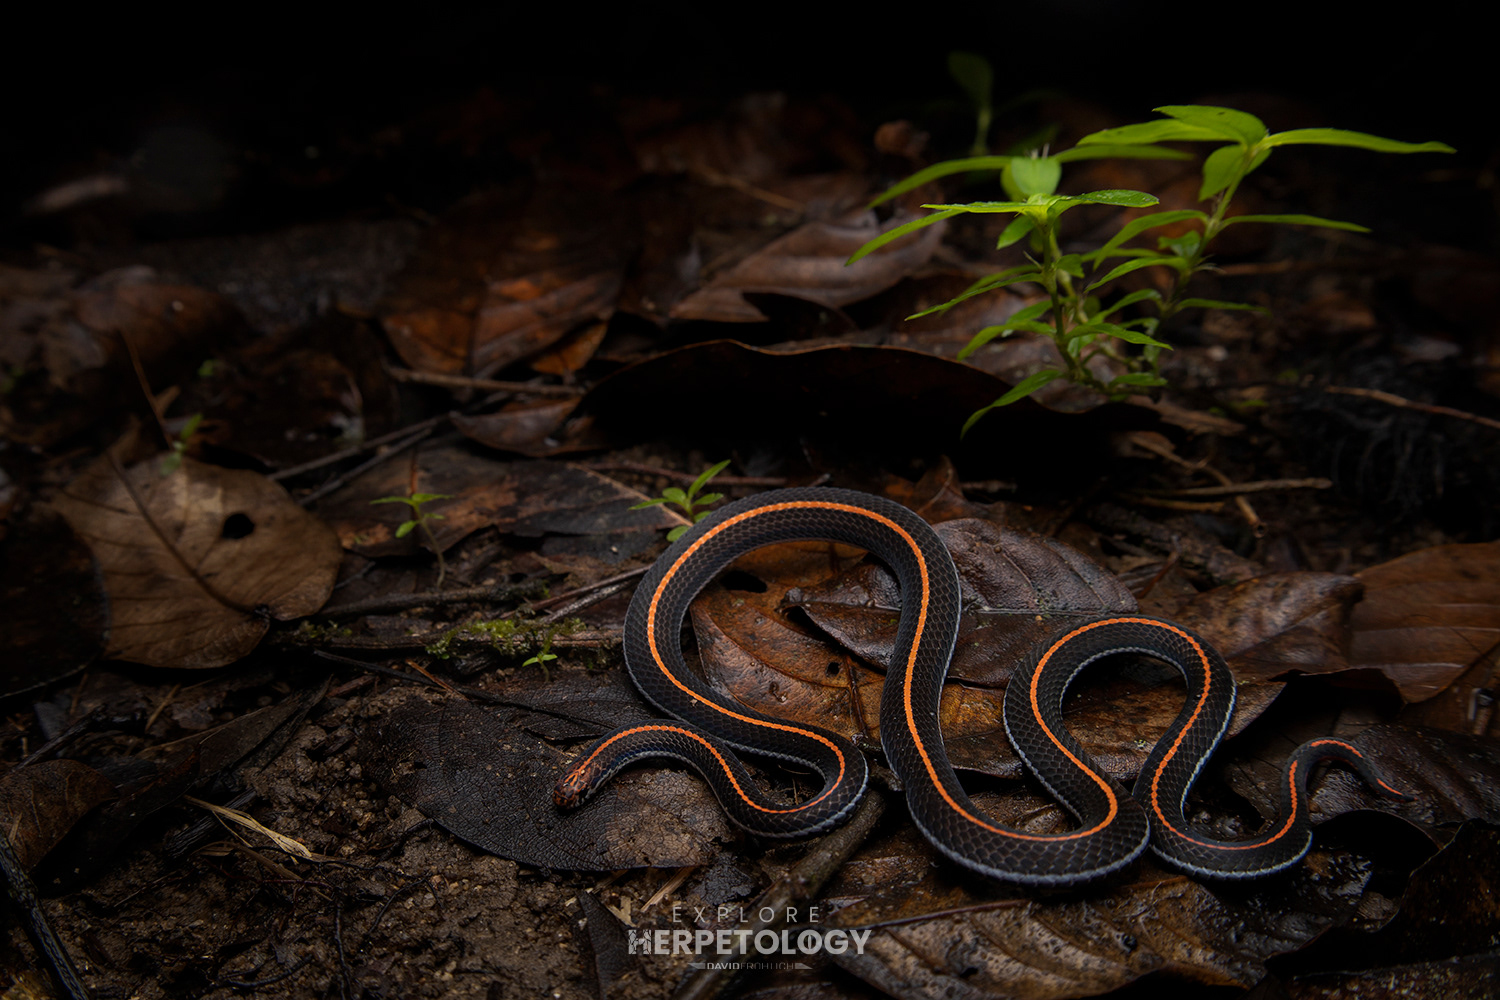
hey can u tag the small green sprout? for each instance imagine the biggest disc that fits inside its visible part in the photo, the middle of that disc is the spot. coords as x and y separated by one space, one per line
172 460
420 519
689 500
1078 313
542 658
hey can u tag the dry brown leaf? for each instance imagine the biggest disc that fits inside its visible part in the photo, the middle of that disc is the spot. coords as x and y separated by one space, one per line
1428 615
808 263
197 562
41 802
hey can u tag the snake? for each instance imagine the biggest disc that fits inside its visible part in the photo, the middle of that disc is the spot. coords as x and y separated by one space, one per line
709 728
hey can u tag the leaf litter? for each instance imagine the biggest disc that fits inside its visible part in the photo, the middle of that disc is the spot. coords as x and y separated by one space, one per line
643 283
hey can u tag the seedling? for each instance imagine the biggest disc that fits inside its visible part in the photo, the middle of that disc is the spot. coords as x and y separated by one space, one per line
172 460
1078 313
421 519
541 659
689 500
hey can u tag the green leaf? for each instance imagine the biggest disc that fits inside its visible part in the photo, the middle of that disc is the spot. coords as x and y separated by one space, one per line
406 500
1101 151
1124 198
1135 265
1161 130
1009 276
973 73
1138 378
1071 264
705 476
891 235
1135 227
1129 336
677 532
1232 124
1026 387
426 497
675 495
1183 246
1129 300
1039 175
708 498
1221 168
648 503
1012 325
982 207
405 528
1219 304
1020 227
964 165
1359 140
1298 220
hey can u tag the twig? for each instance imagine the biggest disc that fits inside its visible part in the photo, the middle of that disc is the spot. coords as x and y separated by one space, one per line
29 907
426 425
454 638
1391 399
568 595
803 882
286 973
401 602
683 477
338 482
1234 489
488 384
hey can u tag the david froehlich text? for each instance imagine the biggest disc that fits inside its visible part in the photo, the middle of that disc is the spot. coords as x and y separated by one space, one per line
807 940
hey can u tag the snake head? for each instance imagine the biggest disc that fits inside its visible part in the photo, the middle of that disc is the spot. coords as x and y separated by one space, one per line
574 787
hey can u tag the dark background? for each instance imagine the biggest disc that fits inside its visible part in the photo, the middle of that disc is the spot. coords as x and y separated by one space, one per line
87 94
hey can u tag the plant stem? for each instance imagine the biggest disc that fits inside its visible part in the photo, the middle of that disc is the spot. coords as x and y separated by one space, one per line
437 550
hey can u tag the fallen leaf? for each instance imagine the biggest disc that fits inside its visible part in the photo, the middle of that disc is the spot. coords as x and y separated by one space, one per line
531 499
1428 615
941 937
503 277
490 781
197 562
39 804
808 263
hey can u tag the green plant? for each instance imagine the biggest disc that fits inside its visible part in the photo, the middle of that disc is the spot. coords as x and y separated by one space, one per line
542 658
689 500
420 519
1078 313
172 460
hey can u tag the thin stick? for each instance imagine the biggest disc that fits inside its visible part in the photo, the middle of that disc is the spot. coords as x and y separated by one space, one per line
338 482
359 449
803 882
1391 399
683 477
488 384
1234 489
387 603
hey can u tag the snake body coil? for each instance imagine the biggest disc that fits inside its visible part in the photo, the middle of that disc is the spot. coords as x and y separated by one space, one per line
1114 826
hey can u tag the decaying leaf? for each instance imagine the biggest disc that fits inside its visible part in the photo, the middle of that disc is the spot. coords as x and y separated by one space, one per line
505 277
530 499
937 937
487 778
41 802
808 263
197 562
1428 615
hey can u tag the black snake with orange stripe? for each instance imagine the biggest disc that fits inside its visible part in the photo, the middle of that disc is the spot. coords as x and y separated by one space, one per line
1115 826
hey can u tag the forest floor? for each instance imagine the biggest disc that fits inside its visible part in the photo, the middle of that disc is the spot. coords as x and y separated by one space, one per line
268 735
